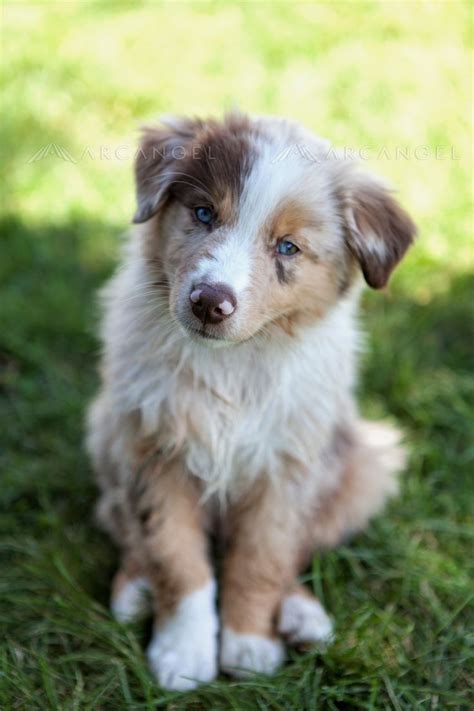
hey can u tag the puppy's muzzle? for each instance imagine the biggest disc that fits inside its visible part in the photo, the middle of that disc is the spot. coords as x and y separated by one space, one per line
212 303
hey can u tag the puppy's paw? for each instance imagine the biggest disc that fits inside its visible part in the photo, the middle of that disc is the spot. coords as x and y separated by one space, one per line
304 621
130 598
242 654
183 651
181 662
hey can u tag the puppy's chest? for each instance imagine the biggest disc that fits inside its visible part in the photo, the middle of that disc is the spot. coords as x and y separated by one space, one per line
226 428
234 419
220 417
231 430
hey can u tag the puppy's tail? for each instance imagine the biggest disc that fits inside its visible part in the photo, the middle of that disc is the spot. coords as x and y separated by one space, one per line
374 459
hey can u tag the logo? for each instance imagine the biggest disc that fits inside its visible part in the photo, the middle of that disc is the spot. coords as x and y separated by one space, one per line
298 149
52 149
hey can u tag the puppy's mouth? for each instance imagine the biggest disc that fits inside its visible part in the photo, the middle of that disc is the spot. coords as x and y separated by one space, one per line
202 335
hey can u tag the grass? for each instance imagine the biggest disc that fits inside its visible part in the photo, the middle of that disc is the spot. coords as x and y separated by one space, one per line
81 75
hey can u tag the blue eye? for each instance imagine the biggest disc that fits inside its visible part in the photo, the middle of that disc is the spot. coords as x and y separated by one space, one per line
204 215
287 248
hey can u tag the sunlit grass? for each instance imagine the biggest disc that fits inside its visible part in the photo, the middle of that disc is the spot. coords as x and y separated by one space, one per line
83 76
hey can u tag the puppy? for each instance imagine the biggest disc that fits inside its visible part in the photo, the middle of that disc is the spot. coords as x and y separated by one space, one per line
227 402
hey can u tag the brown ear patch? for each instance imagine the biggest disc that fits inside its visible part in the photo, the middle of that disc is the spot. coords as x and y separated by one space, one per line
379 231
199 162
161 148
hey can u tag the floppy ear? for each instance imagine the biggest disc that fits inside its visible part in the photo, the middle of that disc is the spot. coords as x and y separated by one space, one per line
378 229
157 163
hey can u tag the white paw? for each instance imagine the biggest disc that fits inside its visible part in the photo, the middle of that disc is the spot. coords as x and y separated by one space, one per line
183 651
242 654
131 601
304 620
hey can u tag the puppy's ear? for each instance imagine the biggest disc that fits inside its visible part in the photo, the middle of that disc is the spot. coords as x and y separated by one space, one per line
157 163
378 229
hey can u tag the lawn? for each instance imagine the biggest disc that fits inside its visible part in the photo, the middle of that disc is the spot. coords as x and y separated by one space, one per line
78 78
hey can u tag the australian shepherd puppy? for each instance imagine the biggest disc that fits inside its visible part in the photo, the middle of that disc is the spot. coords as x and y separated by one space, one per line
227 404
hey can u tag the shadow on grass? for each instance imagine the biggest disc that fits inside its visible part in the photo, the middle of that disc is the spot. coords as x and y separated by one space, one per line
49 276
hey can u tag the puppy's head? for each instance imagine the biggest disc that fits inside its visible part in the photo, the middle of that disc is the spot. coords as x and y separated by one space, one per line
256 224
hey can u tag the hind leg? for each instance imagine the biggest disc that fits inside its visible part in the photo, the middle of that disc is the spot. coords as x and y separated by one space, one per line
131 591
130 594
129 599
302 620
368 458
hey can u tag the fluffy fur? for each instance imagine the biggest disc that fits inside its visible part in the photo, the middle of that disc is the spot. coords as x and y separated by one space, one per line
245 427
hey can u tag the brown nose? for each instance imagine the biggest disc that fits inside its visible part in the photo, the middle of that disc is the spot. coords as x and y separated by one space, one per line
212 304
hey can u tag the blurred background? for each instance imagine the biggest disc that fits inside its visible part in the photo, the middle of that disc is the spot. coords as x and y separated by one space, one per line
393 78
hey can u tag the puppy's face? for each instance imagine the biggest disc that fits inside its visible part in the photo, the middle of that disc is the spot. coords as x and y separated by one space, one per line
256 227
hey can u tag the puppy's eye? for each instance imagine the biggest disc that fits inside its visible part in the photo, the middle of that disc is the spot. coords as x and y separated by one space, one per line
286 248
204 215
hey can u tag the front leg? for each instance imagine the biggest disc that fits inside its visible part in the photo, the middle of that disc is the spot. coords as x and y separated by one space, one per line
268 538
183 649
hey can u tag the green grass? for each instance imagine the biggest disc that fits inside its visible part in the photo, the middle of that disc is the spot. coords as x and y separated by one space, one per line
365 74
